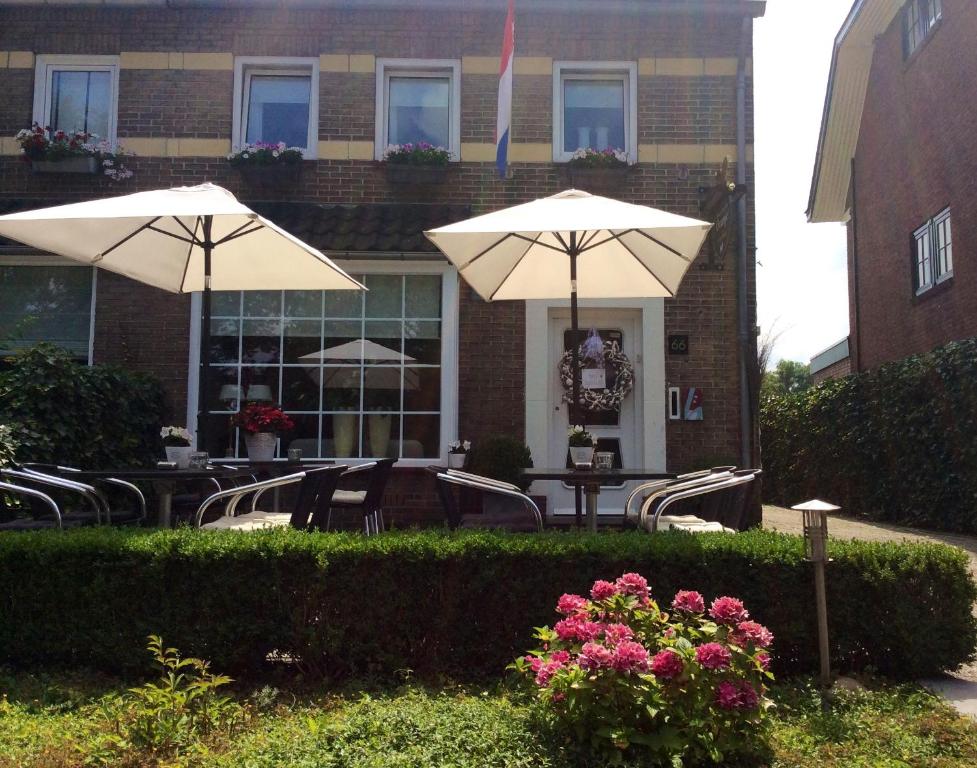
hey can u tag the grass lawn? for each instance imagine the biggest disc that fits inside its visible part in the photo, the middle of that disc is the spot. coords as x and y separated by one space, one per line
60 720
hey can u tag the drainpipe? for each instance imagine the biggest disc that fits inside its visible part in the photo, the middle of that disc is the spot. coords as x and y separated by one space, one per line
746 347
854 350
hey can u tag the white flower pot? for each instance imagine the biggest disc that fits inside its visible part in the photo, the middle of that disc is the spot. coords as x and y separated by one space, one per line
582 456
379 426
260 445
343 434
179 455
457 460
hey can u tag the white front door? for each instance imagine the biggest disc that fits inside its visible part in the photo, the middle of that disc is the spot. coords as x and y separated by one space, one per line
618 433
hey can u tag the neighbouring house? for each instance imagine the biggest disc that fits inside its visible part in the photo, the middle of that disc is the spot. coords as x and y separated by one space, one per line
896 162
831 363
668 83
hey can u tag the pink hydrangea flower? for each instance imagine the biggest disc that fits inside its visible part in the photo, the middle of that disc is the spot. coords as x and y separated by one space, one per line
688 601
667 664
617 633
561 656
728 610
763 659
571 604
749 632
535 663
630 656
732 695
602 590
577 628
713 656
547 671
633 584
594 656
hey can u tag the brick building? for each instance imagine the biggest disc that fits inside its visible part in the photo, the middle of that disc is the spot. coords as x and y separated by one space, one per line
181 83
895 161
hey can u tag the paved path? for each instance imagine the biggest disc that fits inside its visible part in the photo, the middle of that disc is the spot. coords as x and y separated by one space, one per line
960 687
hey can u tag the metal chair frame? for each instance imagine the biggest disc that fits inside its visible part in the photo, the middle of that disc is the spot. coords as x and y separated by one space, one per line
493 486
35 469
233 496
690 480
35 494
83 489
674 495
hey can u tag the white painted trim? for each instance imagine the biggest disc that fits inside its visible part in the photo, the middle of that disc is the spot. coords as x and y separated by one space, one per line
627 70
193 363
46 64
418 68
653 407
276 65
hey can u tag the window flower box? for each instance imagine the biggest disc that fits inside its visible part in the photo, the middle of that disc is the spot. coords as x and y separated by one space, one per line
87 165
415 174
280 174
266 164
420 164
599 170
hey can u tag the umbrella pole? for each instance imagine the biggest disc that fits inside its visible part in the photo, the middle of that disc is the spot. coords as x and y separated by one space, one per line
575 362
208 247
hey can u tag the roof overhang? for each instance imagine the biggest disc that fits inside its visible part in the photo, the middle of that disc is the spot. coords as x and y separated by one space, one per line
754 8
851 63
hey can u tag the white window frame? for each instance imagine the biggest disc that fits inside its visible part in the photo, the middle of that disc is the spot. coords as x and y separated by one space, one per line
931 231
51 260
247 66
449 346
596 70
45 67
387 68
919 17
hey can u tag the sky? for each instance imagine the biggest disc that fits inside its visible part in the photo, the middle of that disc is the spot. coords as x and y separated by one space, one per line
802 282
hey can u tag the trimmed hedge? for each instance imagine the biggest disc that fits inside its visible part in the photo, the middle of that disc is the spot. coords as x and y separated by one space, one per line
461 605
898 443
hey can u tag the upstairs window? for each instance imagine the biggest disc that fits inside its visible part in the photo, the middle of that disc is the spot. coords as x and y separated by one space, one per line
933 252
277 100
919 18
77 93
418 101
594 108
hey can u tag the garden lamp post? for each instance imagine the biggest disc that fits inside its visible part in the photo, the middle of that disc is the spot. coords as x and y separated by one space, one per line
816 551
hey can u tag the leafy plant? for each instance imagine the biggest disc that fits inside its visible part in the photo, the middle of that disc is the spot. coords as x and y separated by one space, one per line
421 153
168 717
41 143
8 447
175 437
587 157
61 412
629 677
261 417
578 437
265 153
502 458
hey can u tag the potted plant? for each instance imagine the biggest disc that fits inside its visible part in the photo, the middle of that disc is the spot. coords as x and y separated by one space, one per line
176 442
581 446
50 151
598 168
501 458
420 163
458 453
266 163
261 424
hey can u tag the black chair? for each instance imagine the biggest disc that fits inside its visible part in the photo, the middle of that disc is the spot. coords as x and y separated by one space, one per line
314 493
368 500
446 495
520 514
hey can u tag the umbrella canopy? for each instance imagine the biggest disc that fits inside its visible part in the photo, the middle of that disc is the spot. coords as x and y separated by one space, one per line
621 250
363 351
159 238
572 245
181 240
359 351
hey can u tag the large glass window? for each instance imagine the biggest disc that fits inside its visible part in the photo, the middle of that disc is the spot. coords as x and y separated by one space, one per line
418 102
594 108
359 373
933 252
77 94
276 100
46 303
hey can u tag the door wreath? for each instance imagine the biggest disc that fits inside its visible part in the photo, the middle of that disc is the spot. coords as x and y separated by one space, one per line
609 399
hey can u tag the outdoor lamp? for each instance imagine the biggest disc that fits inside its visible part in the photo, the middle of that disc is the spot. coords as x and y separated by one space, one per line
815 514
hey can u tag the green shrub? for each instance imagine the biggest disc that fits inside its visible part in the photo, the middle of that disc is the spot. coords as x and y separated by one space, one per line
898 443
502 458
8 447
90 416
462 605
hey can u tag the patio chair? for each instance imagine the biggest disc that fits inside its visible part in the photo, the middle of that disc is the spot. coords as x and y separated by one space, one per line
128 513
725 490
368 501
86 506
42 511
527 519
315 488
688 480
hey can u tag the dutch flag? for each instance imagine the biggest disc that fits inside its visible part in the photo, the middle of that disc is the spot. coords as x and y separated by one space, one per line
505 92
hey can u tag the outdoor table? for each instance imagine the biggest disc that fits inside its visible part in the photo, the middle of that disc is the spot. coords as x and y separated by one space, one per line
590 481
164 481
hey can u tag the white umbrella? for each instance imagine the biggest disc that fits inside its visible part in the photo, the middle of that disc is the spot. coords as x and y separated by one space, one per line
572 245
374 377
181 240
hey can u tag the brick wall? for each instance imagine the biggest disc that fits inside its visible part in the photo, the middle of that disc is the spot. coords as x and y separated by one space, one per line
147 329
916 155
836 370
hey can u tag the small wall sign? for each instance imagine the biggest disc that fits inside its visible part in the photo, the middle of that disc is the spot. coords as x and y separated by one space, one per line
593 378
678 344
